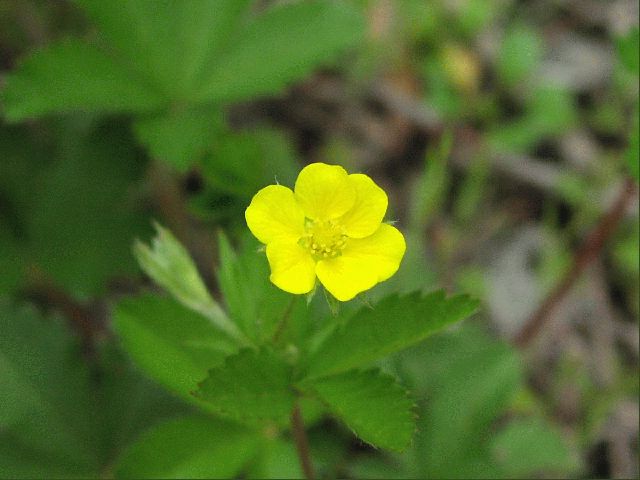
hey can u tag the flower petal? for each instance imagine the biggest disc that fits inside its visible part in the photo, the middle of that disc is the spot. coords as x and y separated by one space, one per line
383 251
292 268
344 278
364 263
324 191
367 213
274 214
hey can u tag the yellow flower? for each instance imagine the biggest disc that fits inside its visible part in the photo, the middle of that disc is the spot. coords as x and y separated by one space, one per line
329 227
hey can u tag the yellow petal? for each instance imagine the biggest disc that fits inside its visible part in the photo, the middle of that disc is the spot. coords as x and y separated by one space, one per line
344 277
367 213
324 191
274 214
292 268
364 263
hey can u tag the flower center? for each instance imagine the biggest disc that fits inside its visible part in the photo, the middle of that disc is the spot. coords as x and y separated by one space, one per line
323 239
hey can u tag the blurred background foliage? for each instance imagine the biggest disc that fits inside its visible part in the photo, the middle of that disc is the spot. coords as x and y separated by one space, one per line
503 131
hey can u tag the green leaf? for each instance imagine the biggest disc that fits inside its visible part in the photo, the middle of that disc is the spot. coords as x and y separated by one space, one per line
520 53
278 459
528 446
189 447
372 404
179 138
431 187
250 386
393 324
280 46
550 112
253 302
243 162
170 265
469 381
629 49
173 345
47 418
129 403
74 76
82 221
171 42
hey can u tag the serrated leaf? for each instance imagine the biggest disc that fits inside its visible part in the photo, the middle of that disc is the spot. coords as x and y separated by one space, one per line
189 447
529 446
74 76
250 386
170 42
173 345
281 45
169 264
47 418
372 404
393 324
179 138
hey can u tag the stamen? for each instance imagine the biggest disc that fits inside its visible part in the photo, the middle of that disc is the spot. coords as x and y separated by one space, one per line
323 240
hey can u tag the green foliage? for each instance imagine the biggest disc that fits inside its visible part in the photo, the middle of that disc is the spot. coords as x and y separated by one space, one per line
252 385
242 162
392 325
256 305
174 63
468 382
73 76
46 402
279 46
521 52
633 151
238 165
74 215
531 445
372 404
549 112
189 447
171 44
628 47
171 344
169 264
431 187
58 416
180 137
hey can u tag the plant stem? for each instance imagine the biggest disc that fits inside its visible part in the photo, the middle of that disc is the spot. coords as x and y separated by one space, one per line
301 441
589 250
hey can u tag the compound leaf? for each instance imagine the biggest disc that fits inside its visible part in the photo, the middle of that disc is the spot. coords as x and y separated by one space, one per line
393 324
172 344
281 45
74 76
189 447
250 386
372 404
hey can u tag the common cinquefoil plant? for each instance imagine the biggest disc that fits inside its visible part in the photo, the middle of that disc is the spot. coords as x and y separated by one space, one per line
270 365
329 227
